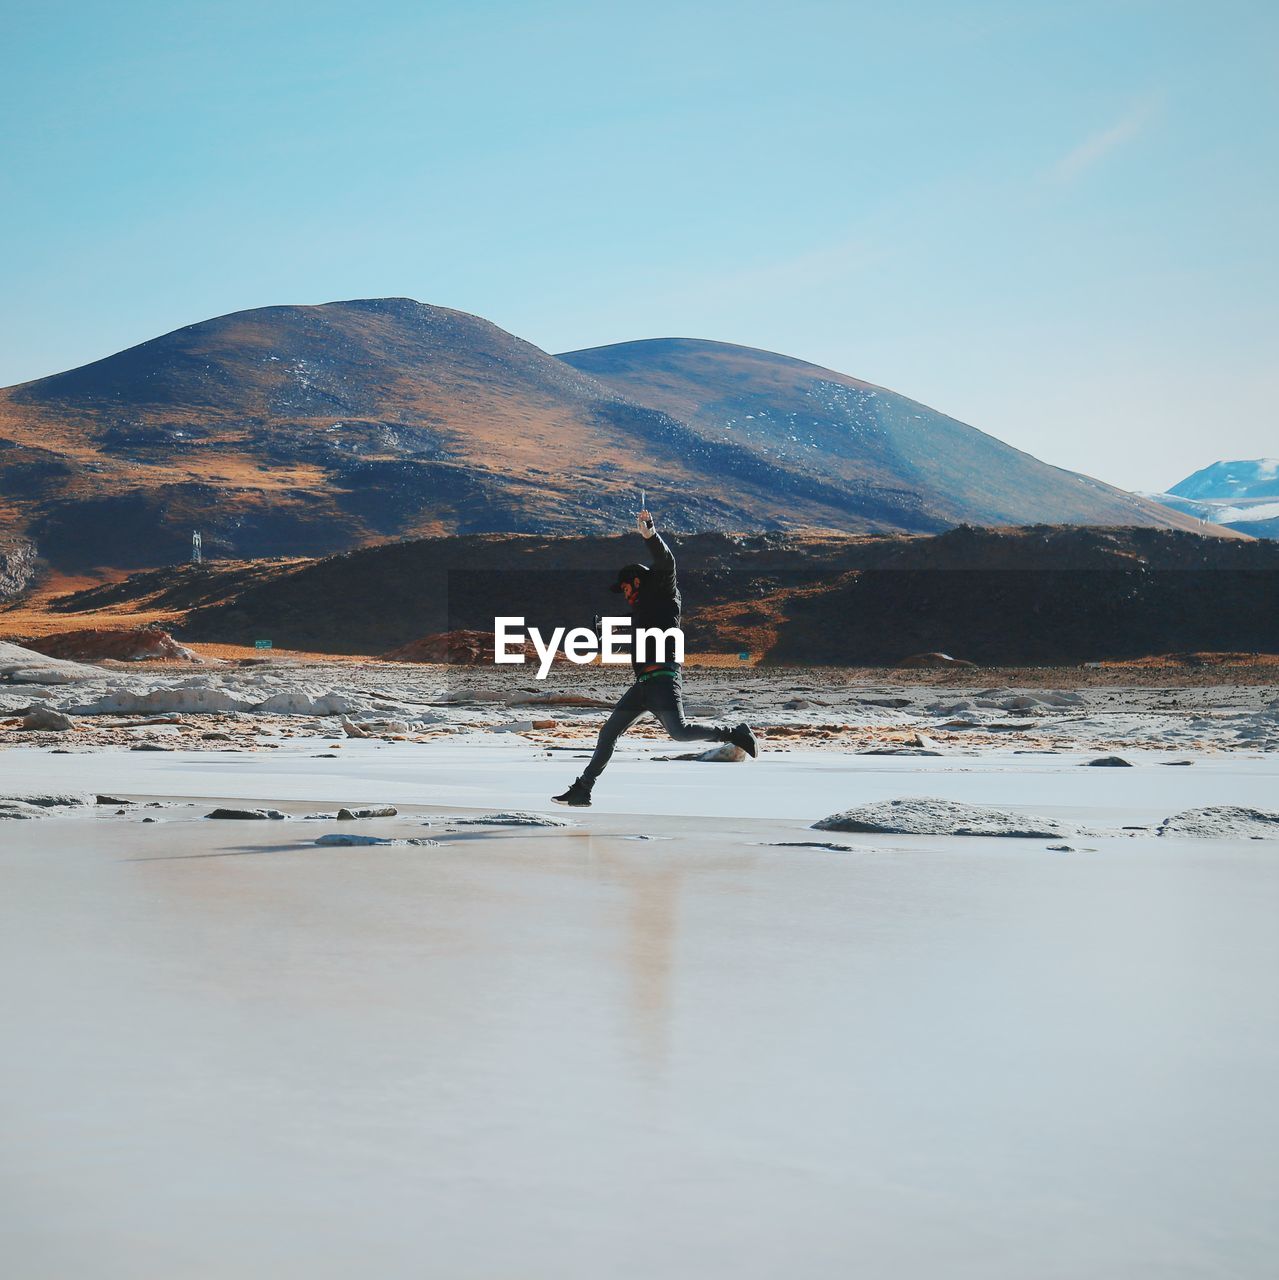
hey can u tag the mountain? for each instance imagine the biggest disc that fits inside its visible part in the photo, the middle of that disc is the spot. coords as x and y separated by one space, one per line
1239 495
303 430
868 441
1232 481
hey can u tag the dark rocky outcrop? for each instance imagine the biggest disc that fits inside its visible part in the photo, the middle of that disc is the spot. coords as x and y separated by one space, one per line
1035 596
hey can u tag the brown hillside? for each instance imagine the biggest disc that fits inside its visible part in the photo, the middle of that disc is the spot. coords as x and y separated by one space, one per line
303 430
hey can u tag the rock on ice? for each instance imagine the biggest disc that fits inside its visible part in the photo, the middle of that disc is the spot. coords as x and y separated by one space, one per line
924 816
1223 822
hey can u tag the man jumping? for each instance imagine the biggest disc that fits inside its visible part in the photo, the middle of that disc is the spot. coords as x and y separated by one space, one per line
654 600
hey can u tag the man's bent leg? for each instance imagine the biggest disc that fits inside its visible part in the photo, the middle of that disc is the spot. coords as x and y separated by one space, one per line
630 706
666 702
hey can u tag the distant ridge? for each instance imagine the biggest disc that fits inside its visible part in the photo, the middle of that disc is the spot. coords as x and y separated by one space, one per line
1256 478
1044 593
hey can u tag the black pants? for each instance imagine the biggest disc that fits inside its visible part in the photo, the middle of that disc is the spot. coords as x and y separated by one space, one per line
663 696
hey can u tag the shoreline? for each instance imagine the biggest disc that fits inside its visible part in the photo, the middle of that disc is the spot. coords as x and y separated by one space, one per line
256 708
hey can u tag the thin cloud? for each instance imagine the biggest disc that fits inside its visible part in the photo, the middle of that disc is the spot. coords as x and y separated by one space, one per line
822 267
1101 144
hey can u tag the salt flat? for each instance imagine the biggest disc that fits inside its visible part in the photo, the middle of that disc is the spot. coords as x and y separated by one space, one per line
485 771
571 1052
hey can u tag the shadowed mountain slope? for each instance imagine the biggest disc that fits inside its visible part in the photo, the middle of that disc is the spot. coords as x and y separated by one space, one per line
811 420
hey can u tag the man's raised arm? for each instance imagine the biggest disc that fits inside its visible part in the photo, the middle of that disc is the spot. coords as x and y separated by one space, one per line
663 570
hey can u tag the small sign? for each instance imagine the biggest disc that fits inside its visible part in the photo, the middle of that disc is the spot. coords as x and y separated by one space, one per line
744 656
261 644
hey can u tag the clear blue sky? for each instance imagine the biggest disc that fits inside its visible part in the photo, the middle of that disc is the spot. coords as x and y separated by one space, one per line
1055 221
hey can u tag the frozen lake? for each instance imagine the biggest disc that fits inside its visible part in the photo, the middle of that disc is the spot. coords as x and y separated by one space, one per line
571 1054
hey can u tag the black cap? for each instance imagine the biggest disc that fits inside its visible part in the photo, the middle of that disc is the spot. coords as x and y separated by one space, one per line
626 573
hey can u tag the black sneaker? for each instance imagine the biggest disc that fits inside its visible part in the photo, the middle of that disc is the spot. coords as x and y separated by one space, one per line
744 736
578 796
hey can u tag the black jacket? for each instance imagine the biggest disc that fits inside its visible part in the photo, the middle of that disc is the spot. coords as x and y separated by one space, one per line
658 603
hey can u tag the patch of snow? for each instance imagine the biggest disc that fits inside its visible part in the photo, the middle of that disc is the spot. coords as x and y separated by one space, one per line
26 666
181 699
308 701
1262 511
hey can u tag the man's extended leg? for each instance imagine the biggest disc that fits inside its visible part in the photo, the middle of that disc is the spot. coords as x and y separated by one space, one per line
666 702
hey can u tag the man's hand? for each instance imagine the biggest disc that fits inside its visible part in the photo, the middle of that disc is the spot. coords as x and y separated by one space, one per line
644 523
